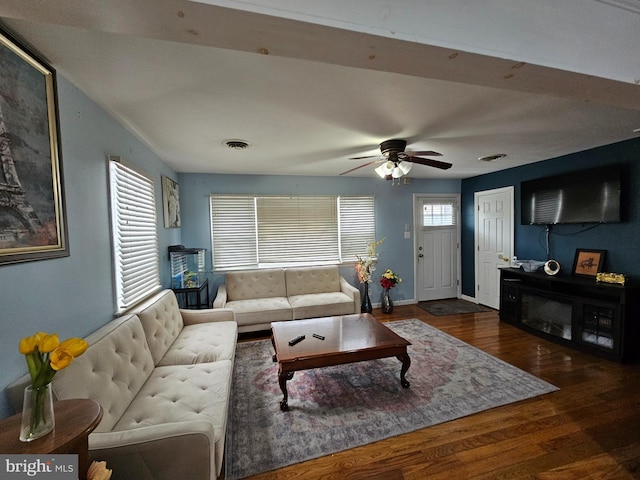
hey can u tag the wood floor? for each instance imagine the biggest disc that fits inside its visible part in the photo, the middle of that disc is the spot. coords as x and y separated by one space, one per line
589 429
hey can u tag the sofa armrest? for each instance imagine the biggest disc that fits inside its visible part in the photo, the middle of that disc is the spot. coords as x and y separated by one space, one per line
353 292
172 450
221 297
207 315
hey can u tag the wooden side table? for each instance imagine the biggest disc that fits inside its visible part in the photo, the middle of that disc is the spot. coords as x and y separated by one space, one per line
75 420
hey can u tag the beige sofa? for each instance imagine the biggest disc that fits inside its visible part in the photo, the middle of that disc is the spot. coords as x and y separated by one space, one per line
259 297
163 378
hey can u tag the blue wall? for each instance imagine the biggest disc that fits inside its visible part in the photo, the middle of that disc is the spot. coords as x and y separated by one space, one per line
619 239
73 296
394 209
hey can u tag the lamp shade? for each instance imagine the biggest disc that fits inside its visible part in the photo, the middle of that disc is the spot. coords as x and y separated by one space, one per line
405 167
385 169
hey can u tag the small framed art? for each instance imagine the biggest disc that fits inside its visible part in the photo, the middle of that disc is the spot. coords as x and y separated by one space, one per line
587 263
171 203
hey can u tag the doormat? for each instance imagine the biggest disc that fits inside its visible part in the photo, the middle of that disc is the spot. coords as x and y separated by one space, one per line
337 408
454 306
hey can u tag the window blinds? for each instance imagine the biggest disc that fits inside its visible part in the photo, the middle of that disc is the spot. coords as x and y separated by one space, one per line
263 231
134 230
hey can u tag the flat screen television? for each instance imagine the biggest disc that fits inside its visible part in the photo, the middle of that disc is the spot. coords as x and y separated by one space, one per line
584 196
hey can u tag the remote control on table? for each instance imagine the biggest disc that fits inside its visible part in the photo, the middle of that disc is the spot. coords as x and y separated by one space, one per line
320 337
296 340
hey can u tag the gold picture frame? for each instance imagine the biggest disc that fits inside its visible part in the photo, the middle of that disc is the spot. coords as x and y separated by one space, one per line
32 208
588 263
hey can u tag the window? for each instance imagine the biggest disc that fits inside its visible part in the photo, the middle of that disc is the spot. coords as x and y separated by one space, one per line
134 231
439 213
268 231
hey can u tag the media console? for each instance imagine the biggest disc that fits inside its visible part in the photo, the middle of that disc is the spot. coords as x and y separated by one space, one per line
594 317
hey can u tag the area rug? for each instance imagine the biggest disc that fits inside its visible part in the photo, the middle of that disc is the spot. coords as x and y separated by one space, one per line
338 408
452 307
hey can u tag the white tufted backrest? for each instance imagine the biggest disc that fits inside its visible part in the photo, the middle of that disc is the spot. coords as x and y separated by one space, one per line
302 281
112 370
161 321
252 284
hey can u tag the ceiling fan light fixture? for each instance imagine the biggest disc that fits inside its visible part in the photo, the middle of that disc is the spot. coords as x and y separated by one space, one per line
381 171
405 167
396 172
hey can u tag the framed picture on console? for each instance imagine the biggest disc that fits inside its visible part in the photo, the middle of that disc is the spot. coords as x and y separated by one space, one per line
587 263
32 208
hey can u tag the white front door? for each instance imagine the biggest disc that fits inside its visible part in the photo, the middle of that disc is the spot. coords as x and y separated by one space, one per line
437 247
493 242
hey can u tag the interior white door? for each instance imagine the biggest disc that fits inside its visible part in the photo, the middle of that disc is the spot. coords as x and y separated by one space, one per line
494 242
437 247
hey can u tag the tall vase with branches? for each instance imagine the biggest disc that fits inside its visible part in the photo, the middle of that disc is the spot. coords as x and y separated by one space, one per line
364 269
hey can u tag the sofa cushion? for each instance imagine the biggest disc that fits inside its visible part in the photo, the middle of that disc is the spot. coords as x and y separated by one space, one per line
253 284
303 280
261 310
111 372
162 322
181 393
202 343
321 305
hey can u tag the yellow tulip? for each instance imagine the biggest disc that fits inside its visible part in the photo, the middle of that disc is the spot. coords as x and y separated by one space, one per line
48 343
28 344
75 346
60 358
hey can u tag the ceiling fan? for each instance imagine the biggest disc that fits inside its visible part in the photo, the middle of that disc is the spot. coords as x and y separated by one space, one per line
395 162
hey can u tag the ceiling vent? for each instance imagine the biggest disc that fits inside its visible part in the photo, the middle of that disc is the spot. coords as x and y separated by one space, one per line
491 158
237 144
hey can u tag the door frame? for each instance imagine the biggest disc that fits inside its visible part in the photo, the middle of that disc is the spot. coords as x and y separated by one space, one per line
510 190
417 225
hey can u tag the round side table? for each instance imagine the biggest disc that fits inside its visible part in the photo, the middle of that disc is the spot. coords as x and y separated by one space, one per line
75 420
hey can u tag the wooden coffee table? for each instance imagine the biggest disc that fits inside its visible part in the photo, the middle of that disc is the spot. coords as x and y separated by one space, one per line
347 339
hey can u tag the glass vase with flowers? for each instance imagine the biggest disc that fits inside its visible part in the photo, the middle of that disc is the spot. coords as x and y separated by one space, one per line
364 270
45 355
388 280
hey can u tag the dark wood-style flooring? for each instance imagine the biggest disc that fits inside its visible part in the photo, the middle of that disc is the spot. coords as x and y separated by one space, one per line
589 429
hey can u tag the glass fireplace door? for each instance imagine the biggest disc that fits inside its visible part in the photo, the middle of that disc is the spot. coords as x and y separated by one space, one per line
549 315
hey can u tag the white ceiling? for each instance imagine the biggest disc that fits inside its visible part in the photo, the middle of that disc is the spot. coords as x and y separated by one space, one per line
310 84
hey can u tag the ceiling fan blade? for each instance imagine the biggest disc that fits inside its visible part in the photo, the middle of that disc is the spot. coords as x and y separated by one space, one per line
428 153
429 162
362 158
358 167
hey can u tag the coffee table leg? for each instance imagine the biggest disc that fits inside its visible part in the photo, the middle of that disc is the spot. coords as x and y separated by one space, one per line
275 355
282 380
406 363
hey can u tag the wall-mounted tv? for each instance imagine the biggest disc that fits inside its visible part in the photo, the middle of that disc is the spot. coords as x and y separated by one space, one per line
584 196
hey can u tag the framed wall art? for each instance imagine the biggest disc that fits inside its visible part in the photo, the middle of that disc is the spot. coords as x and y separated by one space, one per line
588 263
171 203
32 208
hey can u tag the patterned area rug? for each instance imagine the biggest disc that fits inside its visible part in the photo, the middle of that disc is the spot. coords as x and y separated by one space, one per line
337 408
452 307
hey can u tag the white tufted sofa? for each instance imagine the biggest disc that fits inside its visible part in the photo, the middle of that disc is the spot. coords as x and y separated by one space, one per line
259 297
163 378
